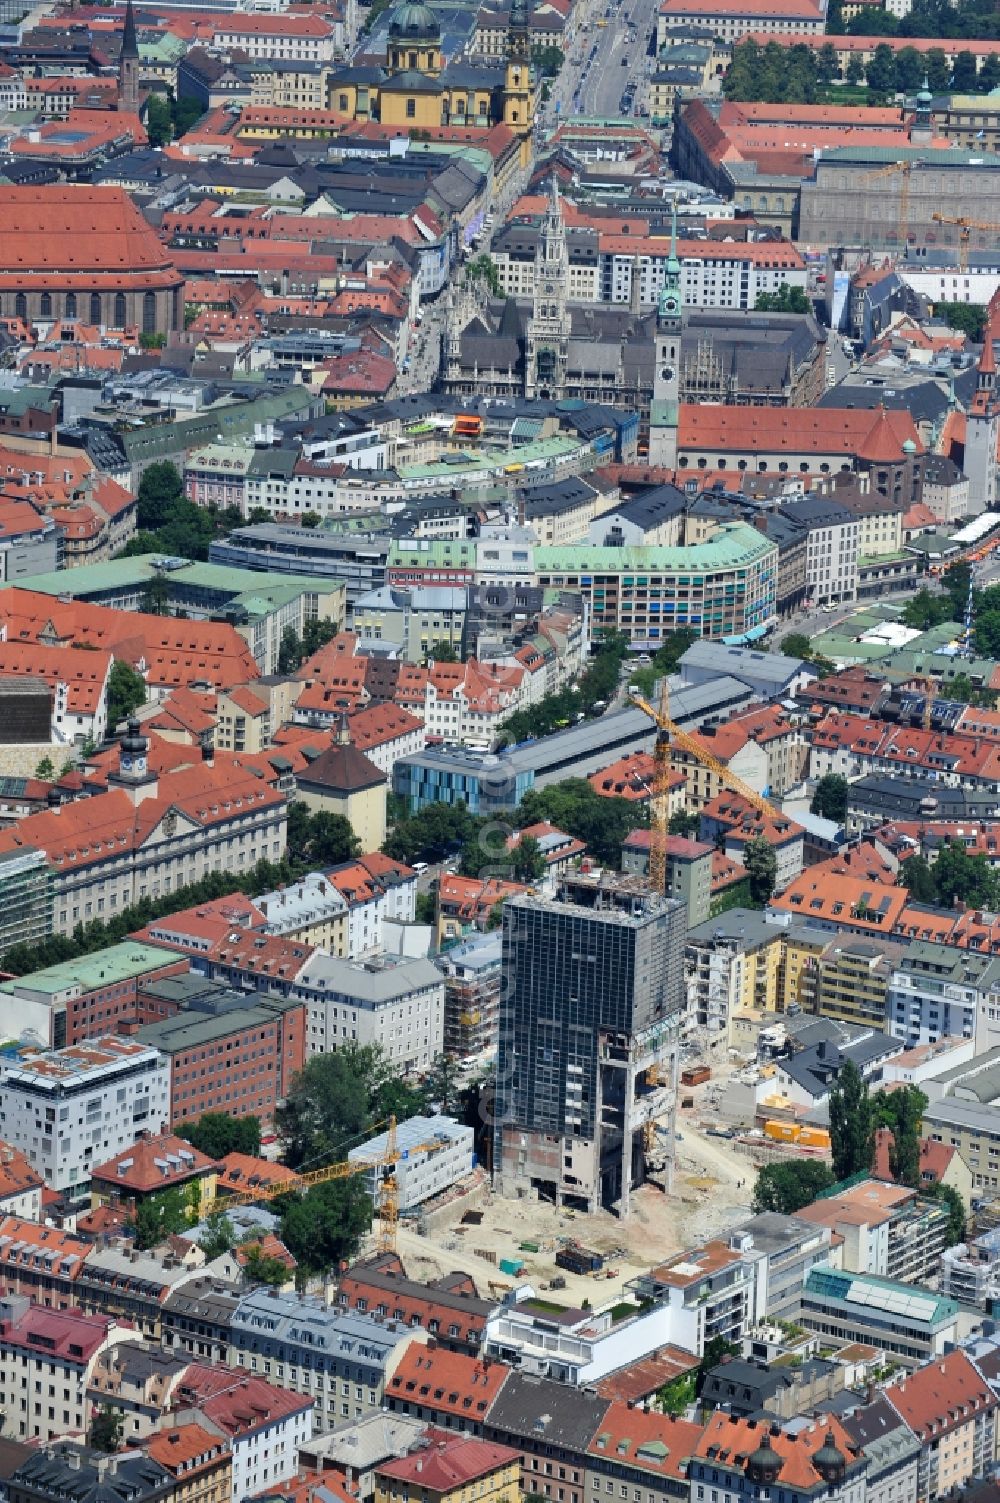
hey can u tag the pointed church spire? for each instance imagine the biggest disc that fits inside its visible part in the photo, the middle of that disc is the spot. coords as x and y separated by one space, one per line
130 43
673 261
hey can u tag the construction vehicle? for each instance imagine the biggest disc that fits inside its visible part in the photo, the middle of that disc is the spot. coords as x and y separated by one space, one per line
670 735
965 228
388 1190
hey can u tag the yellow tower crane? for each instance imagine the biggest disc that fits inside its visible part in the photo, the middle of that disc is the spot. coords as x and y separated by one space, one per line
965 228
388 1190
903 170
669 735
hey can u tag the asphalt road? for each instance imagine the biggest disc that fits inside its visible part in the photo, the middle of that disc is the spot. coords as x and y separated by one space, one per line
594 85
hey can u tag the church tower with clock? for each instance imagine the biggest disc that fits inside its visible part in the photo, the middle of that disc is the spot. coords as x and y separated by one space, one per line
664 407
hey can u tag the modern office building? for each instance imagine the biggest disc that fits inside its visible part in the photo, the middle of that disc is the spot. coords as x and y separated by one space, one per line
908 1323
588 1038
938 992
69 1109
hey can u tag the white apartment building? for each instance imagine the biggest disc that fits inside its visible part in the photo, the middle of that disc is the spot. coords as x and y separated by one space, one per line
68 1109
399 1006
424 1171
47 1358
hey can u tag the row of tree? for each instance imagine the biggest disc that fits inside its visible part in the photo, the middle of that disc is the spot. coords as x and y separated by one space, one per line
597 684
974 20
802 74
855 1116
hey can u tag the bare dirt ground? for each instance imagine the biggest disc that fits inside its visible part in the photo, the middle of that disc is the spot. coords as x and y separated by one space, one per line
713 1185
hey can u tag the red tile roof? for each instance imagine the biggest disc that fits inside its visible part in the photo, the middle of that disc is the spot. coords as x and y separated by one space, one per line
808 430
238 1402
650 1441
70 230
442 1462
186 1449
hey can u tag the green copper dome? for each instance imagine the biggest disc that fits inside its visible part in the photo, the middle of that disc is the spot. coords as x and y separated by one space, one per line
415 22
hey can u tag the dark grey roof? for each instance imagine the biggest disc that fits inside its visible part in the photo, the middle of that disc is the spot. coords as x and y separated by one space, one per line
924 400
817 511
549 1413
91 1479
648 508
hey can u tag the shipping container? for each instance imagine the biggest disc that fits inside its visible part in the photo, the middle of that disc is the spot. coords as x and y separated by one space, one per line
695 1075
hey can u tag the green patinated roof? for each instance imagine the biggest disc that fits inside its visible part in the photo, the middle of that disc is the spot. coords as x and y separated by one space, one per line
103 968
241 586
731 546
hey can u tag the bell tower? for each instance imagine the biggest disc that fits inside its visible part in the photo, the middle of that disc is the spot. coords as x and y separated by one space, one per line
519 83
664 407
129 65
547 342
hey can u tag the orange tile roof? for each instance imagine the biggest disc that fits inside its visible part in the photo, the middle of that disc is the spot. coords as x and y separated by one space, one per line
730 1442
742 821
150 1164
268 1246
631 777
187 1449
474 898
22 1242
633 1437
16 1173
85 674
941 1397
243 1171
447 1382
726 872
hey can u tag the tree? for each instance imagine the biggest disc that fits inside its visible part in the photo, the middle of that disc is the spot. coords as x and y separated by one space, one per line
790 1186
827 64
961 878
547 60
528 862
963 76
797 645
953 1202
316 633
901 1111
440 1085
310 519
968 318
937 70
572 805
437 831
217 1235
425 908
442 652
684 822
126 692
916 875
160 488
762 868
161 1215
830 798
328 1105
909 70
483 268
880 74
260 1267
677 1396
785 300
216 1134
325 1225
46 769
106 1429
332 840
855 70
989 75
156 595
289 651
186 112
852 1122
